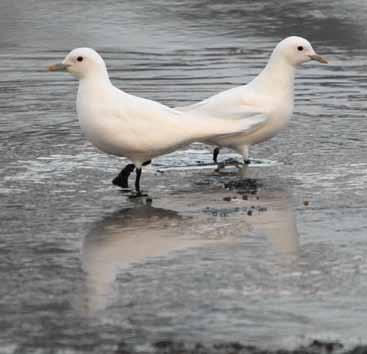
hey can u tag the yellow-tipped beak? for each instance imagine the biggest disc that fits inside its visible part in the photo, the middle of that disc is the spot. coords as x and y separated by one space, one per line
319 58
58 67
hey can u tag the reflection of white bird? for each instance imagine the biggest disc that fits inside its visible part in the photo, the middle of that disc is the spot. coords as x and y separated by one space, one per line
125 237
125 125
279 225
130 236
134 235
268 98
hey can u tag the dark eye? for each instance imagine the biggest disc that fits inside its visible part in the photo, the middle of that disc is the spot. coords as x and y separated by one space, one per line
81 58
300 48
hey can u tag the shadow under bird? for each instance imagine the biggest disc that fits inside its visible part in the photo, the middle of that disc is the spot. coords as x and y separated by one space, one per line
136 128
269 98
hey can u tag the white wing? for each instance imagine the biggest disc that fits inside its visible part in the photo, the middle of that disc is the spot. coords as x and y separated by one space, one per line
210 126
235 105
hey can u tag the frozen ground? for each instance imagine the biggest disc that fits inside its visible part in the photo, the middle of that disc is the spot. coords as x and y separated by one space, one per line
273 258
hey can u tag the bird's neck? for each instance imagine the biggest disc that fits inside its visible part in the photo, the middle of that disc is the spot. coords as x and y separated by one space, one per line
98 80
277 78
94 90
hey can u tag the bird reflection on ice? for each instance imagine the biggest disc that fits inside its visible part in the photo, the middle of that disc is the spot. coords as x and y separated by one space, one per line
135 234
128 236
280 226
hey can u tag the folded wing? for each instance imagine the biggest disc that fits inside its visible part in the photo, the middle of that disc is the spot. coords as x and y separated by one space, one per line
208 126
237 109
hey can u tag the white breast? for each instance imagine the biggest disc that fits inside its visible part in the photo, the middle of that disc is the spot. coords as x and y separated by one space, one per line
125 125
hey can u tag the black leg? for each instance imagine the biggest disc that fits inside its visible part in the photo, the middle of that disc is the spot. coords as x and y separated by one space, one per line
215 154
122 180
137 180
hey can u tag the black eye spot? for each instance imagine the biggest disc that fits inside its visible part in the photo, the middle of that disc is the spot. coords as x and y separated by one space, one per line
79 58
300 48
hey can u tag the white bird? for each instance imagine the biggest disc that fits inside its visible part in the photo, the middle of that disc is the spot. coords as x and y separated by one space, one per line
269 97
124 125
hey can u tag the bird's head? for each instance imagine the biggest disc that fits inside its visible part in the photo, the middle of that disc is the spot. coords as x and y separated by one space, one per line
296 51
81 63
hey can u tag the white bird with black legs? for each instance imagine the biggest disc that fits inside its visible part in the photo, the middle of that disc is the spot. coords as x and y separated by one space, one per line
269 96
125 125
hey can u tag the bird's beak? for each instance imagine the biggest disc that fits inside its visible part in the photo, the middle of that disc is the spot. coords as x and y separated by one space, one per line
58 67
318 58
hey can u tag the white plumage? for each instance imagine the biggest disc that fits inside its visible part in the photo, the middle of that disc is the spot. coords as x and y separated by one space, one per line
268 98
139 129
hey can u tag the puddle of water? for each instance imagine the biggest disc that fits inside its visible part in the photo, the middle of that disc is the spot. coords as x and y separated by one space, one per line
193 266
